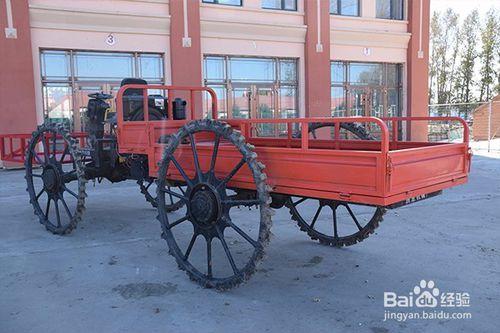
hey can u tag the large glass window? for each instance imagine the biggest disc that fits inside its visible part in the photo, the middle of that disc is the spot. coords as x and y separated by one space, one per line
366 74
249 87
224 2
69 75
344 7
365 89
99 66
390 9
280 4
254 70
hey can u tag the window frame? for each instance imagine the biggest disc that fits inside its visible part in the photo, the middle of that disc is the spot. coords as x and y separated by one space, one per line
348 86
72 81
392 17
229 83
339 6
282 7
216 2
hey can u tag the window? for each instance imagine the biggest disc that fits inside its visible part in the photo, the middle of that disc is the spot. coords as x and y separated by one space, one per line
254 70
249 87
98 66
69 75
344 7
150 67
280 4
390 9
365 89
224 2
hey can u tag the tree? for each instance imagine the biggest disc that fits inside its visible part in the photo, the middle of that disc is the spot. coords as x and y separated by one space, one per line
490 49
445 45
435 32
464 81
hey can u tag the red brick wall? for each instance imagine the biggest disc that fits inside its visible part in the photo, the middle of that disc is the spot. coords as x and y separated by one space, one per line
480 123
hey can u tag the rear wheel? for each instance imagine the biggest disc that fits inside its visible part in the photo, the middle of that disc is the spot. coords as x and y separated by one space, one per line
335 223
211 238
57 188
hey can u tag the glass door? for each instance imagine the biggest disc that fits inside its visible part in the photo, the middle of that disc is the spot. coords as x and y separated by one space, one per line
358 102
367 102
81 92
241 98
265 108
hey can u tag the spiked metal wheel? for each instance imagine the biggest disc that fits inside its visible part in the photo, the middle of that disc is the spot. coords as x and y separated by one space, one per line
57 189
212 210
331 228
357 130
148 188
339 229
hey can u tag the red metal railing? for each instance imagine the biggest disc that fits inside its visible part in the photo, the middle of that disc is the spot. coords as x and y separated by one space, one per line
13 146
169 90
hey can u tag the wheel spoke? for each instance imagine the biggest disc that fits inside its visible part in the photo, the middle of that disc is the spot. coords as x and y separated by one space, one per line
47 208
66 207
180 188
195 157
45 149
233 172
243 234
171 197
39 194
209 259
353 217
35 155
69 176
179 221
316 216
214 153
228 253
149 184
190 246
177 195
70 192
57 213
54 142
35 175
181 170
335 233
233 203
299 201
65 151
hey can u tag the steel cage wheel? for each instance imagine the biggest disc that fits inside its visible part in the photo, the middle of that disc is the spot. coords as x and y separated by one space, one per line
209 204
334 237
174 203
353 128
66 204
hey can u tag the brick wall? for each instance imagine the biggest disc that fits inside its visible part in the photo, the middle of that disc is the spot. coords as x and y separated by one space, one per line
480 124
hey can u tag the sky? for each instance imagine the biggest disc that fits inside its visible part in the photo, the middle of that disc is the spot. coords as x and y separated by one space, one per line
465 6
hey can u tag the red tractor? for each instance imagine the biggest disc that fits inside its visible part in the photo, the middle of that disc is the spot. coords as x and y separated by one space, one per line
203 175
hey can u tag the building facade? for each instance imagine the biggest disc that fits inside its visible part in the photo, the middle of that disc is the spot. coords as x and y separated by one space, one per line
264 58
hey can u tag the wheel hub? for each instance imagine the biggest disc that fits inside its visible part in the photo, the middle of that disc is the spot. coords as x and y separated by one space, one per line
51 179
204 206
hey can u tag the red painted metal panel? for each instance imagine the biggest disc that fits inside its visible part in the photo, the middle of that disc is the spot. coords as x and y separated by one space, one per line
379 172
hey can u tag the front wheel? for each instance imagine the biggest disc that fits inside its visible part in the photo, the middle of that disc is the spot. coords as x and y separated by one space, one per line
148 188
57 187
214 238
